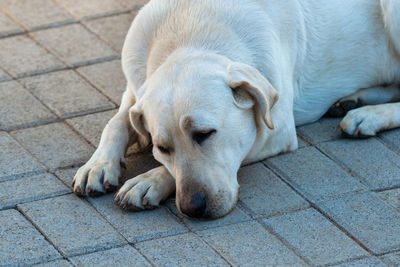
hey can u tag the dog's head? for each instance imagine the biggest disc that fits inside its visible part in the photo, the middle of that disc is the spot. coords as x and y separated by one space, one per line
201 117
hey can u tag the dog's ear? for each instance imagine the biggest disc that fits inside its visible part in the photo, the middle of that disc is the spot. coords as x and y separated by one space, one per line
251 87
137 121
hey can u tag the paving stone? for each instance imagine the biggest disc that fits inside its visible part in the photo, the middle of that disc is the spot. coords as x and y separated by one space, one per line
21 56
13 112
91 126
265 194
56 263
236 216
15 161
392 197
372 261
321 131
313 174
93 8
46 12
112 29
249 244
74 44
368 218
4 76
30 188
136 4
107 77
21 243
8 26
66 93
72 225
315 237
125 256
372 161
138 226
301 142
181 250
392 260
55 145
66 175
392 139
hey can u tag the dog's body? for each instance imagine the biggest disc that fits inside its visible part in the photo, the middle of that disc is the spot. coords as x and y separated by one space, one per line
180 58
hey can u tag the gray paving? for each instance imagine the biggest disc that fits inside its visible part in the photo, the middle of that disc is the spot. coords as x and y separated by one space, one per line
58 219
21 243
334 202
315 237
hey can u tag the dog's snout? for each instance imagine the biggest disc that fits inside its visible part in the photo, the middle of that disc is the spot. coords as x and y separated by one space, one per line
194 206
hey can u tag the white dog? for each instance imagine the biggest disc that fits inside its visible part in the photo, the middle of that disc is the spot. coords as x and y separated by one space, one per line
203 80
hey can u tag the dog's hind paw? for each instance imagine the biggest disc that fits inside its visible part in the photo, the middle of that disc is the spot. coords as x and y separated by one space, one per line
145 191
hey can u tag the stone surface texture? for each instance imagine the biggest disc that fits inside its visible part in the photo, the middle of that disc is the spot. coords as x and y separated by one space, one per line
334 201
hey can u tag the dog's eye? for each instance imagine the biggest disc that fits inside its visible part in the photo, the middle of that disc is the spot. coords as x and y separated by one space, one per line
163 150
200 137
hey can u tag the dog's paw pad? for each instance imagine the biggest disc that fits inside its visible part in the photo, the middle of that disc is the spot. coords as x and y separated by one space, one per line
342 107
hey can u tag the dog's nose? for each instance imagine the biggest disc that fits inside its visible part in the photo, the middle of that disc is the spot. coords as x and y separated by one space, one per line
195 206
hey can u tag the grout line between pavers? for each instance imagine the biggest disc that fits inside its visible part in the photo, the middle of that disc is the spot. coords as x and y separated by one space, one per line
316 207
26 29
285 243
181 220
40 231
115 229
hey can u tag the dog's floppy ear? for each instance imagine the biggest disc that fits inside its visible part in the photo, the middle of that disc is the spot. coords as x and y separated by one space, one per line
251 87
137 121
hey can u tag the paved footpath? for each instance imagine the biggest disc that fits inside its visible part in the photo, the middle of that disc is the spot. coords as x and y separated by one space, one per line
333 202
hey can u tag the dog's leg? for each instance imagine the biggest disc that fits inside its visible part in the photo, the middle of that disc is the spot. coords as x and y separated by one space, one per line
391 18
146 191
368 96
369 120
100 174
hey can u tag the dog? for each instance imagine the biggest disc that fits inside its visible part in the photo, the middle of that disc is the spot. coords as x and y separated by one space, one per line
216 84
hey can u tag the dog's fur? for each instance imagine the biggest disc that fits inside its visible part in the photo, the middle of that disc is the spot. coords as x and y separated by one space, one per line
203 79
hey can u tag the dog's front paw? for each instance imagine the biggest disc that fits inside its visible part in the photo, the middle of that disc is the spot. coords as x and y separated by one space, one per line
97 177
362 122
146 191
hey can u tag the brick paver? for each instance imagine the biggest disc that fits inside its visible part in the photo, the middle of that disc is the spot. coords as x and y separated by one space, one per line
112 29
47 13
181 250
315 237
108 77
138 226
21 56
72 225
369 159
334 201
91 126
313 174
12 98
55 145
247 244
21 243
74 44
260 186
66 93
124 256
93 8
30 188
8 26
15 161
369 219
